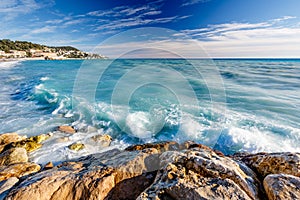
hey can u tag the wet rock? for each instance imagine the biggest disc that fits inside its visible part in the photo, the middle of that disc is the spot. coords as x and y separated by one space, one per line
62 139
48 165
272 163
40 138
160 146
201 174
13 155
282 187
97 176
76 146
7 138
27 144
18 170
6 185
103 140
66 129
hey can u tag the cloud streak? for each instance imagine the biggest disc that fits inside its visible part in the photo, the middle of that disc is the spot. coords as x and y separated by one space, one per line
192 2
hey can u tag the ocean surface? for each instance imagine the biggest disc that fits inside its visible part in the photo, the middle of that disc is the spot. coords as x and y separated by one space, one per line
231 105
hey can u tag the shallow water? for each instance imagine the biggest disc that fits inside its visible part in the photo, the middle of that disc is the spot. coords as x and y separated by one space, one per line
231 105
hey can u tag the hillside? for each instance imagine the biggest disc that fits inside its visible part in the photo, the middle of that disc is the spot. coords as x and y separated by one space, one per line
25 49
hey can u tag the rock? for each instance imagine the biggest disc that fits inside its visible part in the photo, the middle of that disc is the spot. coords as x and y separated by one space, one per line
7 138
103 140
201 174
62 139
27 144
160 146
49 165
272 163
282 187
18 170
13 155
66 129
192 144
40 138
100 176
76 146
6 185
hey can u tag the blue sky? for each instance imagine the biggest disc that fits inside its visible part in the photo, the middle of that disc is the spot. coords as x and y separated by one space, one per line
223 28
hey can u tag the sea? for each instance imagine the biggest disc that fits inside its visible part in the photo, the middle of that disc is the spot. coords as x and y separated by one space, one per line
232 105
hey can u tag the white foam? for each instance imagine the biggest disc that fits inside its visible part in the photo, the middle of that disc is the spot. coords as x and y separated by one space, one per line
139 124
8 64
254 140
191 128
44 78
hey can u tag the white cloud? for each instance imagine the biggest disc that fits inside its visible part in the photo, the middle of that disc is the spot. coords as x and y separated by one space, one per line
73 22
273 38
46 29
9 9
270 39
192 2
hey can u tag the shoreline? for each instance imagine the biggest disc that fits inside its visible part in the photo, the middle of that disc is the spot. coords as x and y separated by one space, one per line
146 171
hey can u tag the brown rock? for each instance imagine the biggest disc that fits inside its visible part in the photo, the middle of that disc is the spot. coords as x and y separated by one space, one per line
160 146
201 174
282 187
103 140
272 163
27 144
49 165
192 144
7 138
6 185
99 176
18 170
13 155
66 129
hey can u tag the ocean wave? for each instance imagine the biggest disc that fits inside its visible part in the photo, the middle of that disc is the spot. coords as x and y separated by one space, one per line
9 64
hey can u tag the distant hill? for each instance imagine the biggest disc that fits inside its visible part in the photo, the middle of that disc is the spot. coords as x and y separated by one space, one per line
24 49
7 45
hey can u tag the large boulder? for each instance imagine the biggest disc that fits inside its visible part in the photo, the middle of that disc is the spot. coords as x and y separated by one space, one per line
7 138
272 163
18 170
282 187
13 155
108 175
201 174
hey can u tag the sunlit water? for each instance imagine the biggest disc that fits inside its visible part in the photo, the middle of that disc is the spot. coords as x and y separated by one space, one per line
231 105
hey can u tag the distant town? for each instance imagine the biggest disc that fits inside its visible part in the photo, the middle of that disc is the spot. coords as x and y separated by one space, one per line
22 49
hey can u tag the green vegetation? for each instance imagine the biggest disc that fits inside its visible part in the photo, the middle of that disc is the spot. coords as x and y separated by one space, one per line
7 45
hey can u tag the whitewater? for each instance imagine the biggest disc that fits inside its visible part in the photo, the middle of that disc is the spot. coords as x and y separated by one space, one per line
232 105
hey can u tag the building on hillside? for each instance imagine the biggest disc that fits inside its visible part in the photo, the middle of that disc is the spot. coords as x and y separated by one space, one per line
18 54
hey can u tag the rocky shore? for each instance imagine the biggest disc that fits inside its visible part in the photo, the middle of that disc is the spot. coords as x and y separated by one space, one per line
163 170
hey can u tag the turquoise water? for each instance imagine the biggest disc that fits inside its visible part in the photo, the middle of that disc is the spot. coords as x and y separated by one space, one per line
232 105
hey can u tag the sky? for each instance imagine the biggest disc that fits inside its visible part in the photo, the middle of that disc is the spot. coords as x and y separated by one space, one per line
189 28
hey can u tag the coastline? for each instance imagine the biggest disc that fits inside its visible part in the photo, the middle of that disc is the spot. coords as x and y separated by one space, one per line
159 170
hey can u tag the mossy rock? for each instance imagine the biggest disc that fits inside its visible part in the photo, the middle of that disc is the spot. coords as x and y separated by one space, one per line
40 138
27 144
76 146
